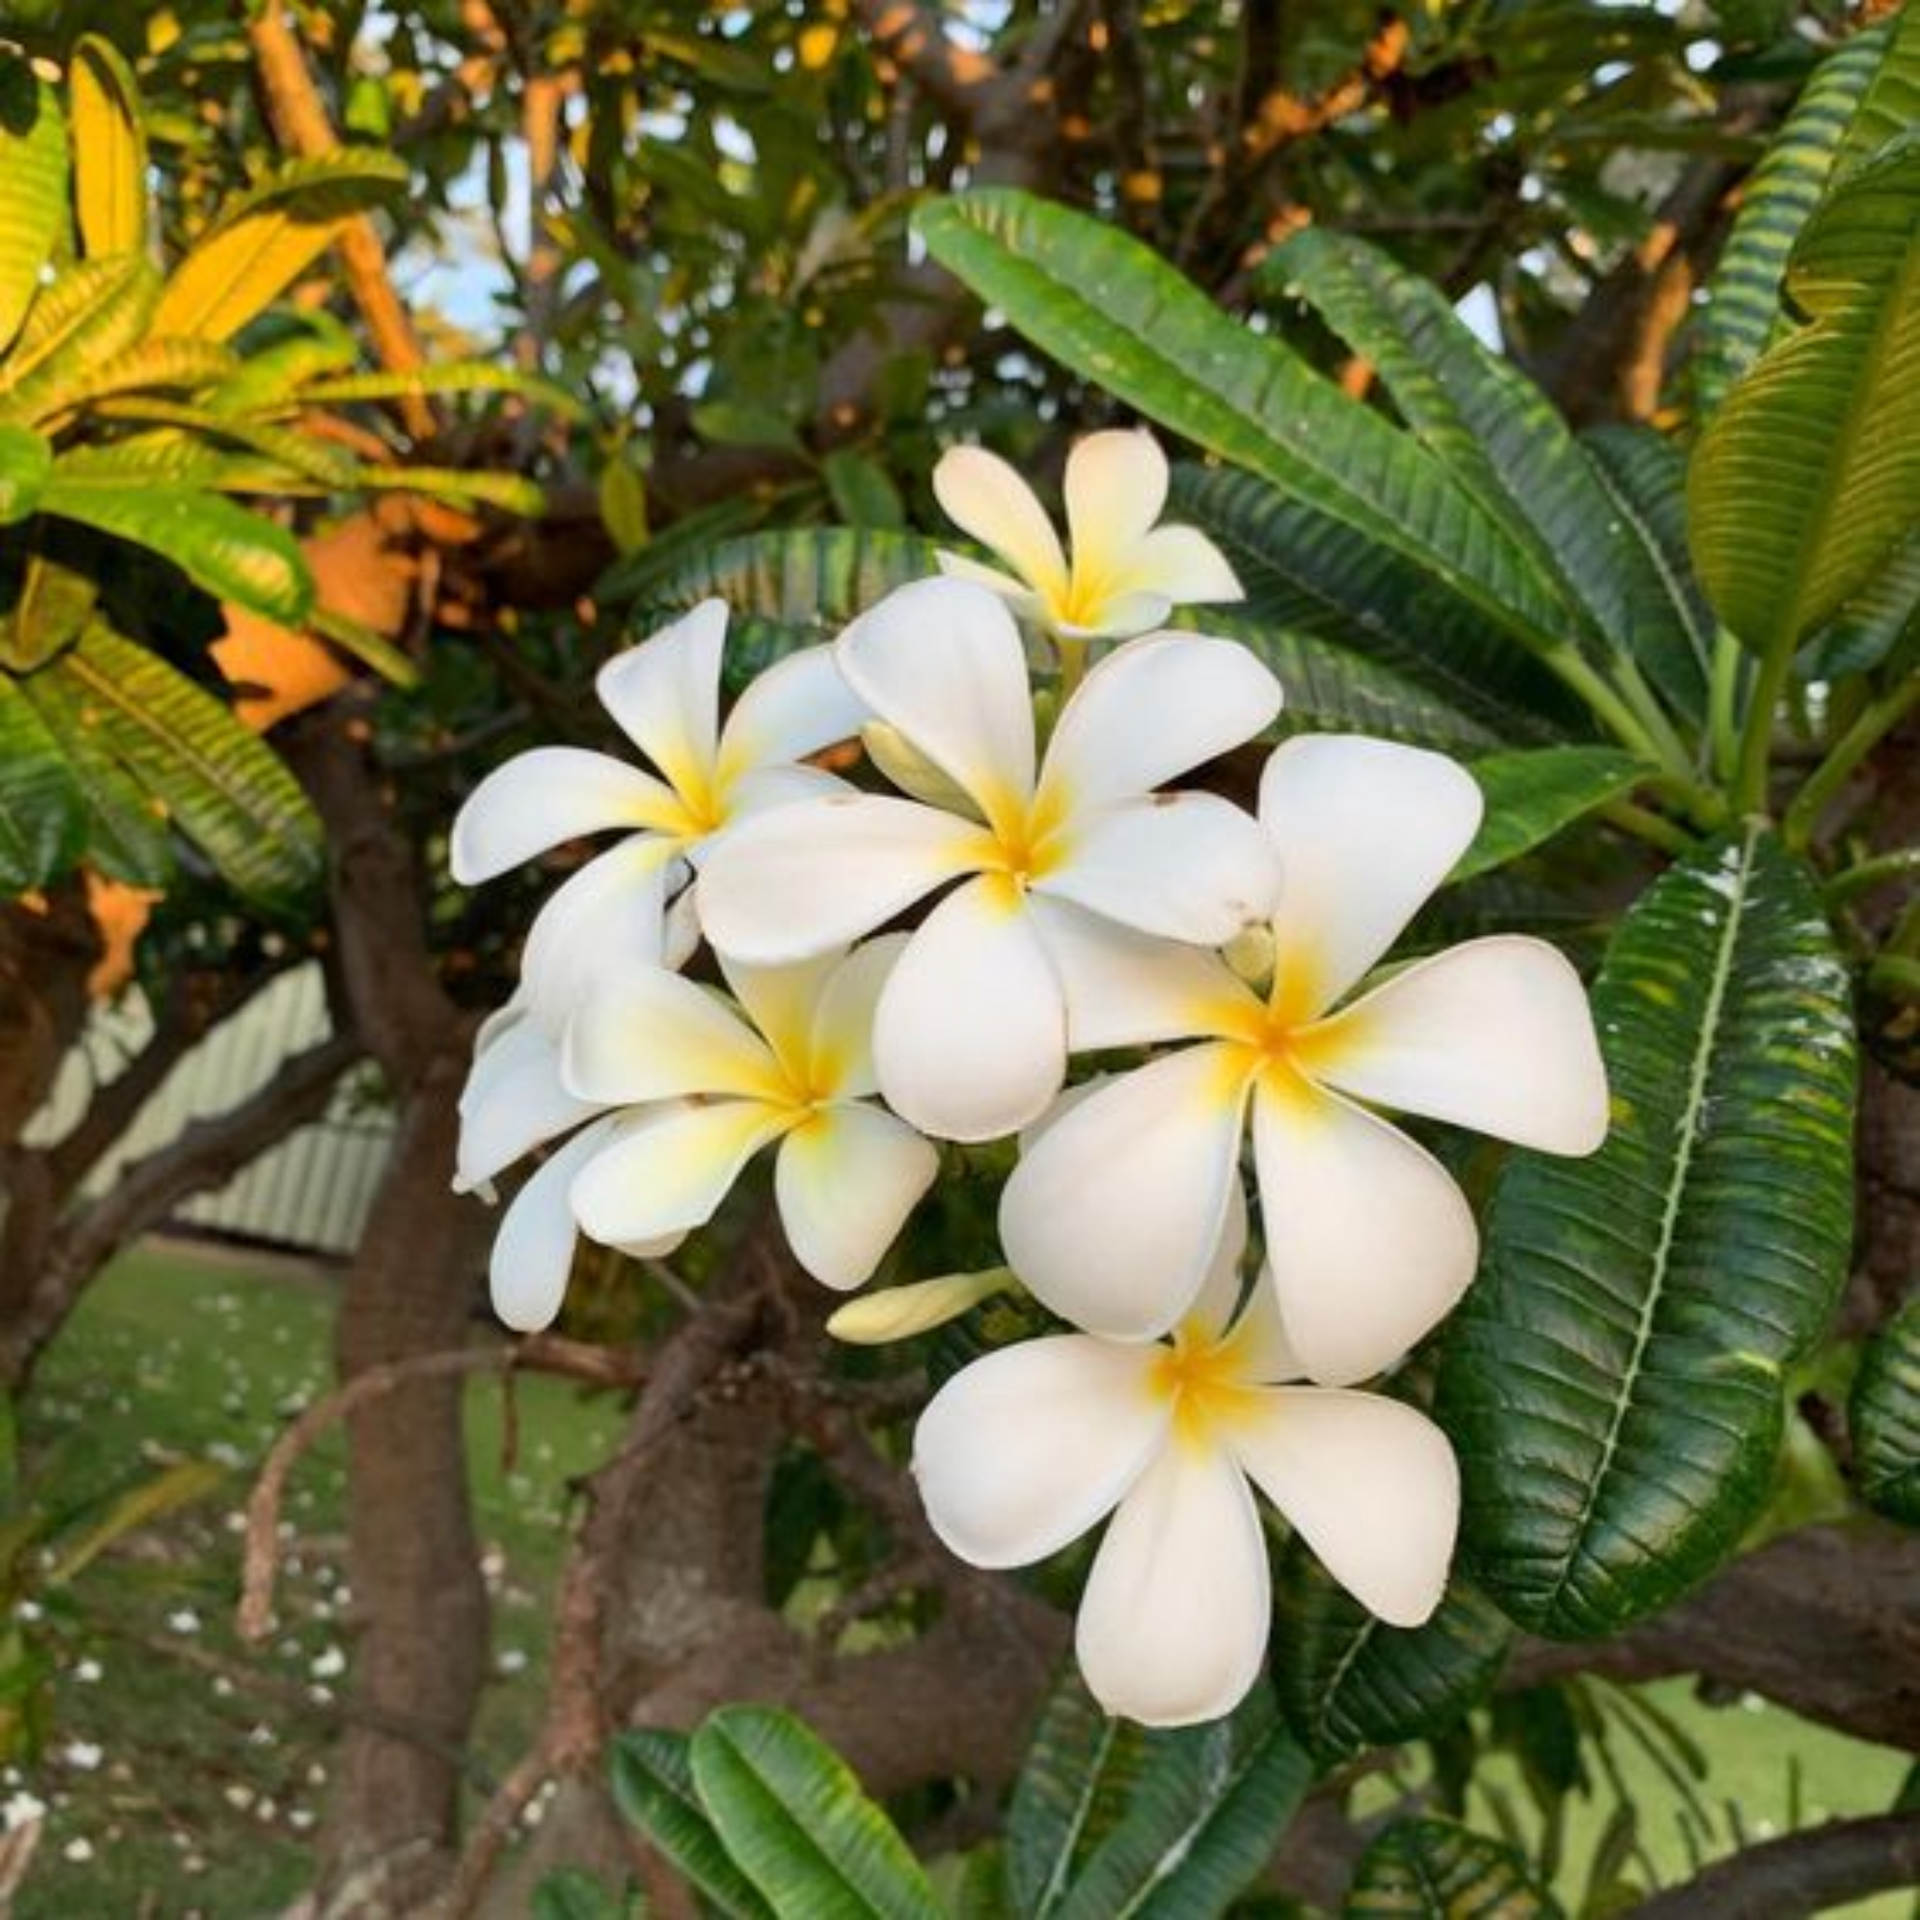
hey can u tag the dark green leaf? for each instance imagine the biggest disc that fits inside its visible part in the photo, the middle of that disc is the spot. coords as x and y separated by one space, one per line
220 784
1886 1417
1435 1870
1346 1681
863 496
653 1788
1809 475
1494 429
1105 305
1534 794
42 812
794 1819
1614 1381
1868 630
569 1893
1201 1822
1307 572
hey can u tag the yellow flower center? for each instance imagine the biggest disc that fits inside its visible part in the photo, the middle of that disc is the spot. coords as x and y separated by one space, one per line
1204 1378
1023 839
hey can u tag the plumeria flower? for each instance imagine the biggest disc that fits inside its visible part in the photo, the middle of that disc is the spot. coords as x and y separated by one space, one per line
971 1030
1126 573
513 1103
710 1084
1026 1450
665 695
1112 1216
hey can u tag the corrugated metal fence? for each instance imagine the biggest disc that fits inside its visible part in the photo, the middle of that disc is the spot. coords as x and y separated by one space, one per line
314 1189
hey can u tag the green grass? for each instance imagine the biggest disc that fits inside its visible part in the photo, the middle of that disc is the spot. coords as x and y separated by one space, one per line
182 1765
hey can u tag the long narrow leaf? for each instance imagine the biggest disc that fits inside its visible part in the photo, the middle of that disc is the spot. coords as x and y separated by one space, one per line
41 809
1614 1380
1885 1417
33 164
109 150
1531 796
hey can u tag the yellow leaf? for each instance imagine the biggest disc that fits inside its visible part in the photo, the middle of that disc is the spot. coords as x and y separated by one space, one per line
109 150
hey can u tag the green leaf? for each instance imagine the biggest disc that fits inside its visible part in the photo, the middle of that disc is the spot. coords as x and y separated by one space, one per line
263 240
1346 1681
1743 297
1613 1383
1892 101
109 149
623 503
1885 1417
571 1893
1109 308
42 812
26 459
1493 428
794 1819
1201 1823
231 553
863 495
33 162
1335 688
1534 794
1810 472
1072 1788
1670 623
1868 629
1305 571
653 1788
1436 1870
463 486
92 311
456 376
126 834
52 603
220 784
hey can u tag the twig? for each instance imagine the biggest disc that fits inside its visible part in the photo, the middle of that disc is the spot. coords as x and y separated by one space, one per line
543 1353
1800 1873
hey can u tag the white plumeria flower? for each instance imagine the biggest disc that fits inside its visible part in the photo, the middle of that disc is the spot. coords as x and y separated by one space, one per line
665 695
1023 1452
514 1101
1126 573
711 1085
1112 1216
971 1034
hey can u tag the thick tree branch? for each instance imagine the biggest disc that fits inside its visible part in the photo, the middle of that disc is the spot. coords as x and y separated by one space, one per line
1800 1873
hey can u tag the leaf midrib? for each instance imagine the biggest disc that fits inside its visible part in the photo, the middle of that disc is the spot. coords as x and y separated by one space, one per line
1697 1079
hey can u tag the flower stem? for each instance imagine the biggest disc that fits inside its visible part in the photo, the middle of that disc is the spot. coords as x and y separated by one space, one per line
1723 699
1874 871
1644 824
1756 740
1873 723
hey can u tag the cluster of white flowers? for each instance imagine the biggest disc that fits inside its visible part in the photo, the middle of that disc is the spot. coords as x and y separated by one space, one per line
1078 907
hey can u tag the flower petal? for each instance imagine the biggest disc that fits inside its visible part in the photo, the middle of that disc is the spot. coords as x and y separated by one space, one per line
797 881
1118 616
532 1256
956 566
1153 710
666 1169
1173 1623
970 1034
760 789
1113 1214
1368 1483
985 497
1184 566
1215 1307
845 1182
545 796
840 1043
1185 866
942 661
796 707
1495 1035
612 913
1366 831
646 1034
1022 1452
665 694
1370 1241
513 1100
1116 487
1127 989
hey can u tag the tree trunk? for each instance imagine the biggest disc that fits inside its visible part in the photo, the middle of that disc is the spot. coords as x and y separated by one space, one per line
412 1554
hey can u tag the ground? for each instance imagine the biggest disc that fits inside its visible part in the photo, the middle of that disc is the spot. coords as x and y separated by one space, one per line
186 1772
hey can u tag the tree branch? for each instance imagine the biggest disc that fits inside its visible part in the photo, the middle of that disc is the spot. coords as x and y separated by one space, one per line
1800 1873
